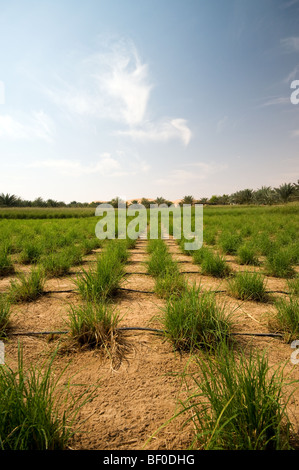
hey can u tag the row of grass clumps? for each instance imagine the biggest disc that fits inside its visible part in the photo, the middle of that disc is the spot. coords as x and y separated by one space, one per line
168 280
211 263
94 323
103 282
192 318
54 246
235 399
38 411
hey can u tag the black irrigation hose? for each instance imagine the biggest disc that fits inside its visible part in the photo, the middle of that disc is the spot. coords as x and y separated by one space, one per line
135 290
145 274
153 292
135 328
33 333
58 291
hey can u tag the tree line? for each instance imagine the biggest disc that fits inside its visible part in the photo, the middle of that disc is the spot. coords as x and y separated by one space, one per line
266 195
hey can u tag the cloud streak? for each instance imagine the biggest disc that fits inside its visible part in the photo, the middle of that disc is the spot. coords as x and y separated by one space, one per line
106 165
37 126
290 44
198 171
161 131
115 85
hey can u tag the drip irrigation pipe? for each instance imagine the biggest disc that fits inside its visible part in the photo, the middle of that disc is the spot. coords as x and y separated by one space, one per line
153 292
135 290
136 328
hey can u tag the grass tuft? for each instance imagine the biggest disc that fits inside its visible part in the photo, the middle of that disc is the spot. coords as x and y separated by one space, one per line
6 265
28 287
237 403
196 320
36 412
93 325
248 286
171 283
286 318
214 265
103 282
293 285
5 314
279 264
247 255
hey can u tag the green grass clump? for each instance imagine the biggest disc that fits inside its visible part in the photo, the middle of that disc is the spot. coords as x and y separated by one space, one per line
36 413
156 244
229 243
118 249
103 282
248 286
27 287
214 265
6 265
293 285
56 264
199 255
74 254
171 283
279 263
161 262
93 325
195 320
89 244
131 243
30 253
182 241
209 237
247 255
5 314
238 403
286 318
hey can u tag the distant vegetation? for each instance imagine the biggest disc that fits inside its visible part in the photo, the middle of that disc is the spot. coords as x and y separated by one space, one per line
266 195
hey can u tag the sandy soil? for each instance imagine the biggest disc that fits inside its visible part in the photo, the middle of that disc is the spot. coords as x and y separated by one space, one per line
140 393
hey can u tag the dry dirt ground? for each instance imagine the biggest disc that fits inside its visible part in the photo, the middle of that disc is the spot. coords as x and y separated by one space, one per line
140 393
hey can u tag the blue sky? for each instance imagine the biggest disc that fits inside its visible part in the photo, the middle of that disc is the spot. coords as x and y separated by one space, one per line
147 98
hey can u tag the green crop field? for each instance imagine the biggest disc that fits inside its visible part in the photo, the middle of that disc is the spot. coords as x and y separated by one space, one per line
222 316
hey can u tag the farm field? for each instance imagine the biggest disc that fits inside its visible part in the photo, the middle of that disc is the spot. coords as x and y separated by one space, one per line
140 359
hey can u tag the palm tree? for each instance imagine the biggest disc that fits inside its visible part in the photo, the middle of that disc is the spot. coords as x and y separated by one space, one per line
8 199
265 195
160 200
188 200
145 202
285 191
117 201
242 197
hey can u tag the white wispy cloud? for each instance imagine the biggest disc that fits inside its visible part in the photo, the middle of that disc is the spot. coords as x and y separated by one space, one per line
276 100
105 165
112 85
115 85
290 44
161 131
292 75
36 126
191 172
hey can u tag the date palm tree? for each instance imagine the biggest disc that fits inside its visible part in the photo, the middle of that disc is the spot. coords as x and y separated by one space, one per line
188 200
285 191
8 199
